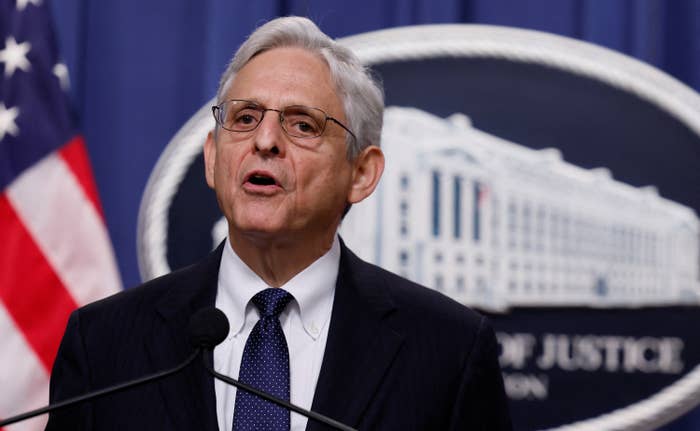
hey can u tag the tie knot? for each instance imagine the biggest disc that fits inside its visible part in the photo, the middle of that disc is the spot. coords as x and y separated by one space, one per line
272 301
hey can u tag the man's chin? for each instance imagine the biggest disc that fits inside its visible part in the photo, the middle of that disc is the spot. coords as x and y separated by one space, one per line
260 230
260 227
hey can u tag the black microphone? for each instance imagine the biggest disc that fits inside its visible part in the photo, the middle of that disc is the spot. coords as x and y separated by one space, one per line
213 319
208 327
202 330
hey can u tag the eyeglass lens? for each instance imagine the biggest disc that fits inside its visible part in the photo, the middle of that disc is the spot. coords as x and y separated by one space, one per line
297 121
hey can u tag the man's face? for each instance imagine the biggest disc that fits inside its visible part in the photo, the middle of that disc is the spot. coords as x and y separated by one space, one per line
305 188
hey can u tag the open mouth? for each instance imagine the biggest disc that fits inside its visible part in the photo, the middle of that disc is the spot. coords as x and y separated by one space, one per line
261 180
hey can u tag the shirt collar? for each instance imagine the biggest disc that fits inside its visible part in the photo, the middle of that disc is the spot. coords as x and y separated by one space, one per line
313 289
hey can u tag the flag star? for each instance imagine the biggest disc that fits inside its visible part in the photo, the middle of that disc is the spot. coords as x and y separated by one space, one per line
60 70
7 121
21 4
15 56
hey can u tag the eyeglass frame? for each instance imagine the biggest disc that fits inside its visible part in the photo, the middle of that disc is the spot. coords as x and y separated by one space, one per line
258 107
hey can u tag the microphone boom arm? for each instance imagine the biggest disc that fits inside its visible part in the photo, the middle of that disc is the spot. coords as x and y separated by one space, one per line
280 402
101 392
207 328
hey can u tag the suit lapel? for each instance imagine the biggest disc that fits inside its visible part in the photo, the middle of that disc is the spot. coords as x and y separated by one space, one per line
189 395
360 348
361 345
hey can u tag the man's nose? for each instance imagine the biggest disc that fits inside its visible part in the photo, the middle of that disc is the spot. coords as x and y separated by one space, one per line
269 136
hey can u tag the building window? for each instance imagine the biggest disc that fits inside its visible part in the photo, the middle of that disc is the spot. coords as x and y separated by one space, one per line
457 198
436 204
526 226
403 257
479 193
495 221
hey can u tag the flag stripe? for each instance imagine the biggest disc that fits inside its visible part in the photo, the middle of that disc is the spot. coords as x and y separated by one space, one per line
74 154
76 243
30 289
23 377
55 252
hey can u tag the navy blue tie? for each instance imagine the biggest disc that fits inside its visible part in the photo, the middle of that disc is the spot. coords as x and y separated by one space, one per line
265 365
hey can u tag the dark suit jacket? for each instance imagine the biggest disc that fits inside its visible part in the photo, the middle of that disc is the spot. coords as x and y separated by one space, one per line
398 357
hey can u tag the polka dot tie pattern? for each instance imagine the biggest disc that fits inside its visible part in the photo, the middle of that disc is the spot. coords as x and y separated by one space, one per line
265 365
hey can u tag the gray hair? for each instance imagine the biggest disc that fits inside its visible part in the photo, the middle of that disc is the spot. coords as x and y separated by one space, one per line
362 95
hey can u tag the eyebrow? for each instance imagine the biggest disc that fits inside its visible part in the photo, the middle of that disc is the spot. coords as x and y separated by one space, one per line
283 105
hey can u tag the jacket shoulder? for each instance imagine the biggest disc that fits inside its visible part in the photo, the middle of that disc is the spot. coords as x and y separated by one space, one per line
194 283
415 300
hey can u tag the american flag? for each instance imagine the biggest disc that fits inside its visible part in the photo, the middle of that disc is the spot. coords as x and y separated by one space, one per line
55 252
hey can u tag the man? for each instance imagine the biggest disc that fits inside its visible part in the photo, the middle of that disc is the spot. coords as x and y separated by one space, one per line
296 143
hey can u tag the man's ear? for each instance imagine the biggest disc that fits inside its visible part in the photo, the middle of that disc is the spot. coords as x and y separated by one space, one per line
367 170
209 158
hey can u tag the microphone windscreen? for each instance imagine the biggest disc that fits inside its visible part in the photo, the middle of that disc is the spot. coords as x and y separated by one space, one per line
207 328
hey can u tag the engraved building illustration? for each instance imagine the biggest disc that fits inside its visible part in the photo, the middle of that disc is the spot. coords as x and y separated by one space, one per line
495 224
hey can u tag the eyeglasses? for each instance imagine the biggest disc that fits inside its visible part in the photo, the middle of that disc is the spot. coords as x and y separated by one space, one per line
296 121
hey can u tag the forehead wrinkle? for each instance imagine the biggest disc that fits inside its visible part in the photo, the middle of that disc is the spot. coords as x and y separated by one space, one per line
309 85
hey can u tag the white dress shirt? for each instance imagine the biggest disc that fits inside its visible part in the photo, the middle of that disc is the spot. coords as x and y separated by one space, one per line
305 323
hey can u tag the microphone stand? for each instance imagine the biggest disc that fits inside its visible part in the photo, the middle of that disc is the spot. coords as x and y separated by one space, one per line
102 392
207 328
280 402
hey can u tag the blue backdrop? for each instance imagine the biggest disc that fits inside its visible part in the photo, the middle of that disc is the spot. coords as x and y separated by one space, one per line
139 69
